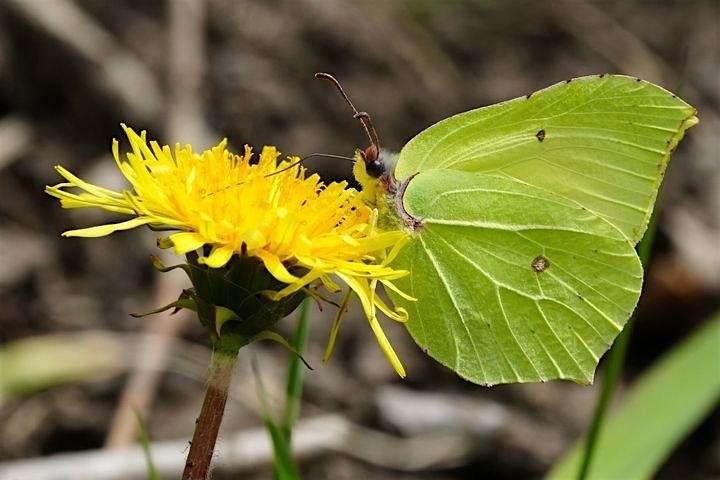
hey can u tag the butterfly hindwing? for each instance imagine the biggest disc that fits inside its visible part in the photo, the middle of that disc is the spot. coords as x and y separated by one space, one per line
602 142
514 284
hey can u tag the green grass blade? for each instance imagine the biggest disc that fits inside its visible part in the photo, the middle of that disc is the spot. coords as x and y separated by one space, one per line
662 408
293 389
283 465
144 441
616 359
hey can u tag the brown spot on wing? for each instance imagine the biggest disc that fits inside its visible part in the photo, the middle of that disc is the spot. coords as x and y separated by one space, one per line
540 264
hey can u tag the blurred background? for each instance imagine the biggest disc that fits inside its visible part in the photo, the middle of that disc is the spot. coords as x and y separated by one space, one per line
196 71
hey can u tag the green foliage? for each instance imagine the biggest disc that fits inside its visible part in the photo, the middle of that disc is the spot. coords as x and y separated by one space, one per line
524 267
144 440
36 363
662 408
280 431
294 385
283 464
614 362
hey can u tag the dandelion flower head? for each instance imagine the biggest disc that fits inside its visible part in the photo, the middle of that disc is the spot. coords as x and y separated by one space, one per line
270 209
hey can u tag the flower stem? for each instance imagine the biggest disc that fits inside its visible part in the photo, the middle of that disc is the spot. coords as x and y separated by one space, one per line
197 465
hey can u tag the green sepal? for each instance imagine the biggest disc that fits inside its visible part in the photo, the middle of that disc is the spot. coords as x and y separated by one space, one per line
184 301
276 337
164 243
230 299
223 315
161 267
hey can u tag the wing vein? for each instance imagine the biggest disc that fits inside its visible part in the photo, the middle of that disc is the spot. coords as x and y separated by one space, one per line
552 330
445 283
512 332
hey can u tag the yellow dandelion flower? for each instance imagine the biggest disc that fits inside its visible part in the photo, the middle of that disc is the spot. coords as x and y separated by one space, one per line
268 209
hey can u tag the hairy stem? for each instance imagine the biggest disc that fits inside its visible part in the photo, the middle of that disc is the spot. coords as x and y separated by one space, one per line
197 465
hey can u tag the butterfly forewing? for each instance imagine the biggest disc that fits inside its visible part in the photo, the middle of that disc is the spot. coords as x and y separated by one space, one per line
602 142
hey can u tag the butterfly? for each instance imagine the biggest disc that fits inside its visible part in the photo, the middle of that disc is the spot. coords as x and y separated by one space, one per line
524 217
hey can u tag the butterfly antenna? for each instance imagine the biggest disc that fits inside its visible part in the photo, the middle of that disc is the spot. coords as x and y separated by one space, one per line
364 117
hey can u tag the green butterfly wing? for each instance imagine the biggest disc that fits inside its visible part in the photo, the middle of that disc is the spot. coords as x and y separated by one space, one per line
601 141
514 284
524 268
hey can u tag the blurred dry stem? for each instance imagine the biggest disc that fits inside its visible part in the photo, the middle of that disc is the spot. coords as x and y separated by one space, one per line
597 30
15 138
491 425
442 430
143 382
186 74
249 450
118 70
185 122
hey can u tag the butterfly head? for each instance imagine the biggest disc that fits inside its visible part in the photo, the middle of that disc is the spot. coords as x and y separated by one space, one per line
366 177
374 165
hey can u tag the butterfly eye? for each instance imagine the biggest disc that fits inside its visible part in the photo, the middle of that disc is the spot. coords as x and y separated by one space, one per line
375 168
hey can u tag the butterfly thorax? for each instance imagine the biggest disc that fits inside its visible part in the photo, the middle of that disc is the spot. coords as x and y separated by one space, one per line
382 191
373 185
